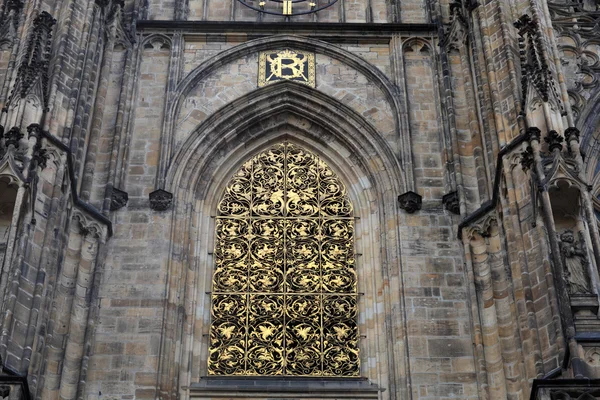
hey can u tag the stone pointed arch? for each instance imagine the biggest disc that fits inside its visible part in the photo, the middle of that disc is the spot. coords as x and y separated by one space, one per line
317 107
197 178
183 88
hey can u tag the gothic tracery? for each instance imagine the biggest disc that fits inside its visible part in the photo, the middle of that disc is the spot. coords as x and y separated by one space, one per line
284 298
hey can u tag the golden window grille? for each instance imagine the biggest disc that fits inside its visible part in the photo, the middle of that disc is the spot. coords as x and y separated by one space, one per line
284 297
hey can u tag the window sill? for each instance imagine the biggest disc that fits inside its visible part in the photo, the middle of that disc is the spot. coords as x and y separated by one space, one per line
220 387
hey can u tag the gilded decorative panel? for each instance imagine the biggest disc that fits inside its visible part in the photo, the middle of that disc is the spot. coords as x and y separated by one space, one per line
284 297
291 65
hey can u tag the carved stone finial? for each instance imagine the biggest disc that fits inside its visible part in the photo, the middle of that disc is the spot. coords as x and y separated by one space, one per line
410 202
13 136
451 202
40 157
571 134
534 133
118 199
527 159
554 140
34 130
160 200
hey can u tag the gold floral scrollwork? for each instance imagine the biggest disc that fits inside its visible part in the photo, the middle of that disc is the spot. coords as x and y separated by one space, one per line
284 298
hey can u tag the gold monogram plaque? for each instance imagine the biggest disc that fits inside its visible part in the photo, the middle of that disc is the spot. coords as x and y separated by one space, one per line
284 296
292 65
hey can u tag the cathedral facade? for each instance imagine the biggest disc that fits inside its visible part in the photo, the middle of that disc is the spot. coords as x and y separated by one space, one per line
299 199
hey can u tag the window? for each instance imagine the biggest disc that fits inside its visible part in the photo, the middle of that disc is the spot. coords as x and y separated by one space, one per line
284 297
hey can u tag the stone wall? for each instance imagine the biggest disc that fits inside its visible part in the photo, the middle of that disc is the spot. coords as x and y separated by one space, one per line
105 290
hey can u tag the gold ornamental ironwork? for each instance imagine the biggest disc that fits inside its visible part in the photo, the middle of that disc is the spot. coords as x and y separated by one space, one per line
284 296
288 8
290 65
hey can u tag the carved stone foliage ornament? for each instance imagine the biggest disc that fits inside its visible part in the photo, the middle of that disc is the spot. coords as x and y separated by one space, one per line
410 202
284 295
160 200
286 65
555 141
575 262
288 7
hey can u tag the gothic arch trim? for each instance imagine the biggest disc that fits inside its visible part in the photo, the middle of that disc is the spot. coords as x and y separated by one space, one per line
198 177
302 43
338 119
390 91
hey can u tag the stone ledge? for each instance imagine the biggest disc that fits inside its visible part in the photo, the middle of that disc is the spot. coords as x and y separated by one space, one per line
283 388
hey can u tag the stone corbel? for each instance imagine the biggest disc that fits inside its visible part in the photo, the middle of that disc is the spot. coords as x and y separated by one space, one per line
160 200
451 202
118 199
410 202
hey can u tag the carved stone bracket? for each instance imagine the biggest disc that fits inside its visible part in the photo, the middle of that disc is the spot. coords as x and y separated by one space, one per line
118 199
410 202
160 200
451 202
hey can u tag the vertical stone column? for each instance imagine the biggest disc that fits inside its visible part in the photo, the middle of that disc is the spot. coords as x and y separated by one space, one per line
75 346
507 330
488 314
58 328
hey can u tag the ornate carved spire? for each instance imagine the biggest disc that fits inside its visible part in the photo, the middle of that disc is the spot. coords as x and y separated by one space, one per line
534 66
33 71
9 18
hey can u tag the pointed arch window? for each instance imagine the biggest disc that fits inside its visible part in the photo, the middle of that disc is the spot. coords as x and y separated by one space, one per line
284 296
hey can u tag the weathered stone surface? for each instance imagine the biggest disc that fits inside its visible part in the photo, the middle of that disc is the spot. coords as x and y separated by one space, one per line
418 105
